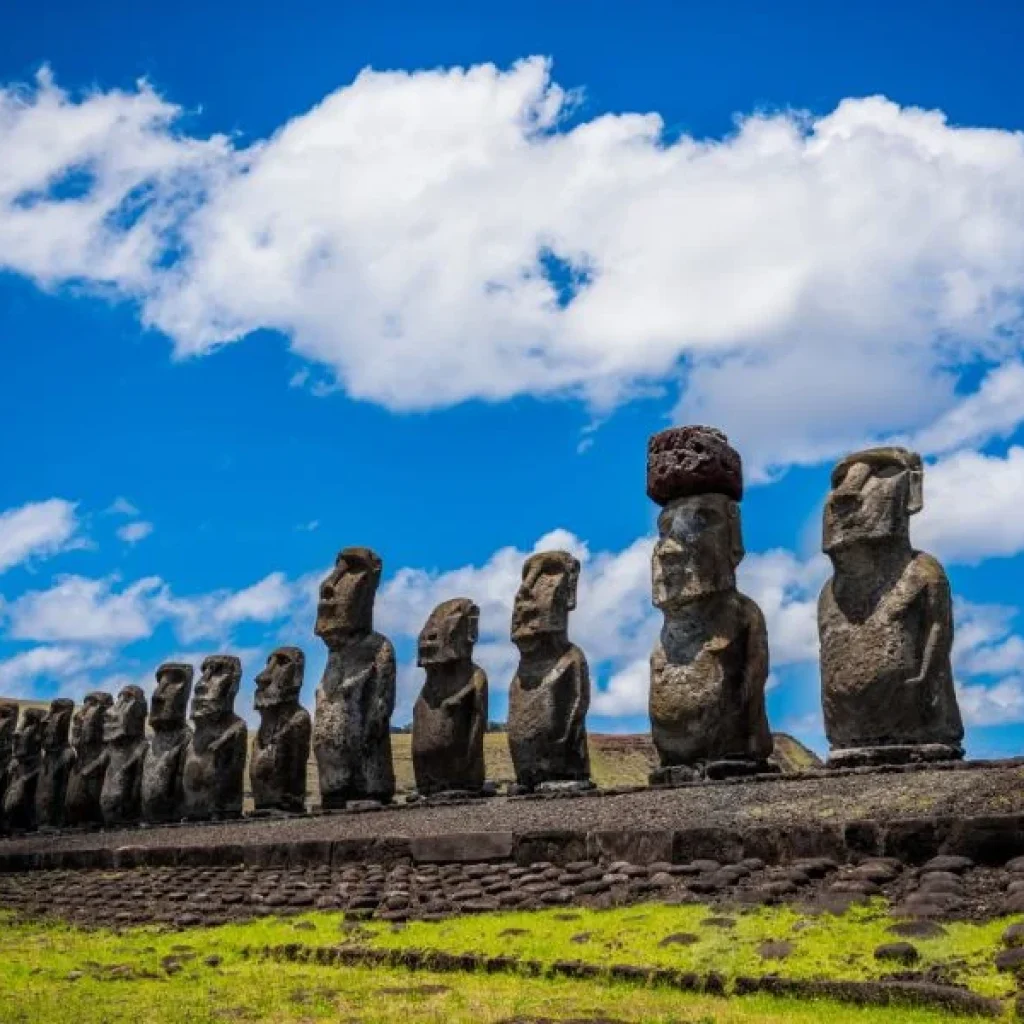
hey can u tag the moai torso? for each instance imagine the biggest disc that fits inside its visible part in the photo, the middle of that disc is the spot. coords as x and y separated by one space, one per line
450 715
885 621
164 767
550 692
57 761
23 772
213 779
8 723
356 696
124 733
280 754
85 782
710 667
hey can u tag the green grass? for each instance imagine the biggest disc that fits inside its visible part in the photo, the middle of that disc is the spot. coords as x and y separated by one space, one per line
53 973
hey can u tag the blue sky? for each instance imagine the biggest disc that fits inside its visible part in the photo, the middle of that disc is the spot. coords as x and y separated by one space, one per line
257 304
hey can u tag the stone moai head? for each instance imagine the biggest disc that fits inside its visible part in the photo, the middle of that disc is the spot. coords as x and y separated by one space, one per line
449 633
125 721
699 546
88 720
8 723
546 595
345 608
220 677
28 737
281 680
168 707
874 493
57 723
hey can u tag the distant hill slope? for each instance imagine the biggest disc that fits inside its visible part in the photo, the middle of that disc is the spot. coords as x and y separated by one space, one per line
615 760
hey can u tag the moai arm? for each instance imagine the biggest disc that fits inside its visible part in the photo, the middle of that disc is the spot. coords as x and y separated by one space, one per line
230 736
382 705
478 688
939 609
579 673
755 677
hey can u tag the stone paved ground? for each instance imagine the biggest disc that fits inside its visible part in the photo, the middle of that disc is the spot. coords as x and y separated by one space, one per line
943 888
813 799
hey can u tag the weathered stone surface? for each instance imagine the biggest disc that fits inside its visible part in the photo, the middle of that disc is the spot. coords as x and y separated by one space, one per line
684 461
885 620
277 770
463 847
57 760
450 715
85 784
550 693
164 766
124 736
709 670
8 725
24 770
213 778
356 696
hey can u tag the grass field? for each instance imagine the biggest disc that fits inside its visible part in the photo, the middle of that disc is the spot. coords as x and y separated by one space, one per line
51 973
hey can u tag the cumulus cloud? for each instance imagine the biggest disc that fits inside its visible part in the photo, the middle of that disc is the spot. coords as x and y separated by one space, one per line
132 533
435 236
37 529
21 673
972 506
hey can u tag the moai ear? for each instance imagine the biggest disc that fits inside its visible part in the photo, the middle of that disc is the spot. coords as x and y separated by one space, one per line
573 578
473 625
736 550
915 497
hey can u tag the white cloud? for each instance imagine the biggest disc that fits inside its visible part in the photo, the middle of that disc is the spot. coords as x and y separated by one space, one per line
972 507
20 672
37 529
122 507
132 533
1001 704
434 236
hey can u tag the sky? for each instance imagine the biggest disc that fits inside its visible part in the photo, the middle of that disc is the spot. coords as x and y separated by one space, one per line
424 277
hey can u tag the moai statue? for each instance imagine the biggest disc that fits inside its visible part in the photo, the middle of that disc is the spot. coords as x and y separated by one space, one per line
8 723
162 791
124 734
23 772
277 771
356 696
885 621
710 667
82 804
58 760
550 693
450 716
213 778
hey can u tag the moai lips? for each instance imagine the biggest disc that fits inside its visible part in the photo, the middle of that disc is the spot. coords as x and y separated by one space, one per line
277 771
213 778
710 667
550 694
885 620
163 769
450 715
85 784
356 696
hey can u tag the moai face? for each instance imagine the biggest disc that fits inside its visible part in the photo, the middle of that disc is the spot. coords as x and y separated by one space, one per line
57 724
546 595
281 680
699 545
449 633
874 494
126 719
169 704
217 687
28 737
345 608
8 723
87 722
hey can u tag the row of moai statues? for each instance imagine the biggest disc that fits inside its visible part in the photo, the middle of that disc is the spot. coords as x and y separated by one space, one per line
884 618
98 764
